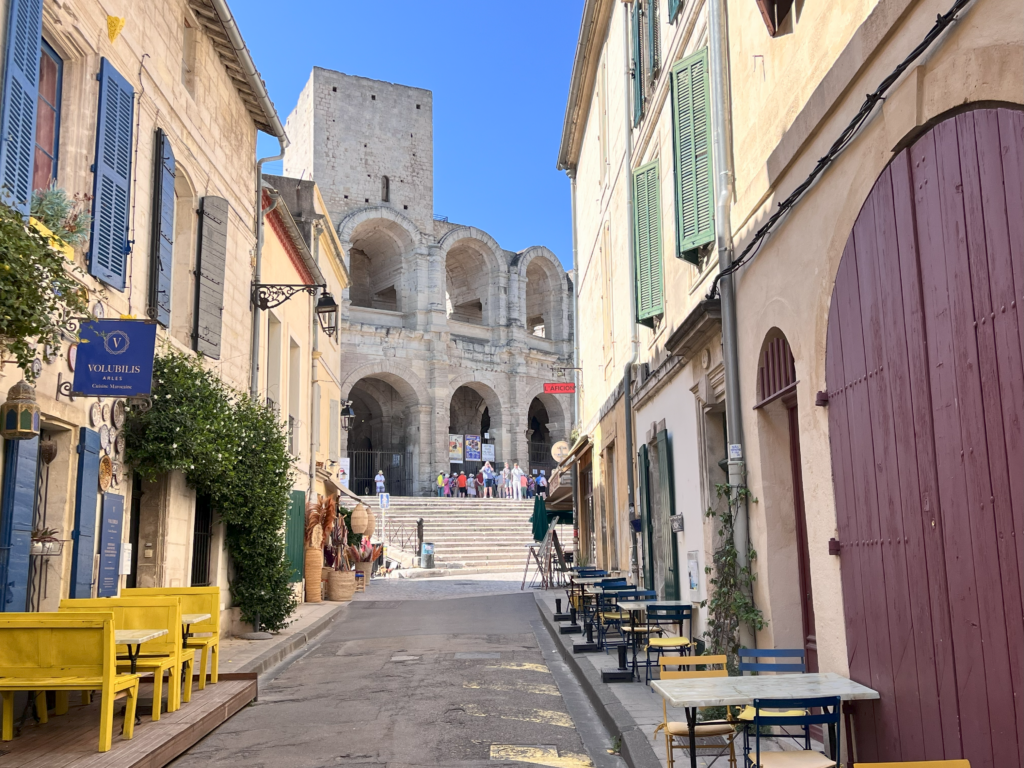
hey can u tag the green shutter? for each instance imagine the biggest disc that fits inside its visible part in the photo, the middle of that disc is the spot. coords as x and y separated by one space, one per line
668 509
638 67
695 191
653 38
673 10
650 300
295 535
647 544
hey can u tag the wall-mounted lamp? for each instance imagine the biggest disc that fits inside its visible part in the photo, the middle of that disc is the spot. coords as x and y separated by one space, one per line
348 415
327 311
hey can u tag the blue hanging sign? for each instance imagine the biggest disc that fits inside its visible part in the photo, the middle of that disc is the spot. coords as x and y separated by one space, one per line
115 358
108 578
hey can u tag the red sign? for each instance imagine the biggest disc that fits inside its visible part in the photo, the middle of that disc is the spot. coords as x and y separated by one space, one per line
560 388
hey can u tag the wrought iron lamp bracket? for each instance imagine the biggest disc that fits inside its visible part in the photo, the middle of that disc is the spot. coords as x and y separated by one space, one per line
268 296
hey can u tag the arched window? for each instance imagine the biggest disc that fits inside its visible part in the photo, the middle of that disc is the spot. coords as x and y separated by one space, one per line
385 189
776 373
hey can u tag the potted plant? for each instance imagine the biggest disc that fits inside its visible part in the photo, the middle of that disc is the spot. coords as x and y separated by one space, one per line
341 579
45 542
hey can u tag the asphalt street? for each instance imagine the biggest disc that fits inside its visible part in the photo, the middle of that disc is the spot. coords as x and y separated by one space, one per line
415 674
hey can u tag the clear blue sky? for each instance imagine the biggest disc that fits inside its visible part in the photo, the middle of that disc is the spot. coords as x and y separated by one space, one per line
500 76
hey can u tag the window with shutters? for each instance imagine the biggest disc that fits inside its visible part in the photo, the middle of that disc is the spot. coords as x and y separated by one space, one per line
213 240
691 129
602 128
607 304
774 13
161 263
108 248
652 30
650 300
183 260
637 63
333 430
19 94
673 10
51 74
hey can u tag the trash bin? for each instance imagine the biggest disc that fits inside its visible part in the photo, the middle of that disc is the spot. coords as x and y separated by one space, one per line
427 555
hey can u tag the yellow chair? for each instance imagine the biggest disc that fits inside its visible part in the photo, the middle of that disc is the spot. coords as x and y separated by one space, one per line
63 652
162 655
681 730
194 600
918 764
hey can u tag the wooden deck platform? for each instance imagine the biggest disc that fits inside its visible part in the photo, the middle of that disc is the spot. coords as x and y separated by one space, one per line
70 741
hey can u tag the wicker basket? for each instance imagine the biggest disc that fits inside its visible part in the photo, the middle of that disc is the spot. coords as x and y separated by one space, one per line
359 518
341 585
365 569
313 568
371 523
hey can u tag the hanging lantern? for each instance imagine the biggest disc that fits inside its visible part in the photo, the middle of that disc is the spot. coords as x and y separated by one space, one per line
371 523
348 415
19 416
359 518
327 311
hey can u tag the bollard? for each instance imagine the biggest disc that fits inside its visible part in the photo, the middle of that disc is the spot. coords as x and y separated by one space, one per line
573 628
558 605
589 646
622 657
621 675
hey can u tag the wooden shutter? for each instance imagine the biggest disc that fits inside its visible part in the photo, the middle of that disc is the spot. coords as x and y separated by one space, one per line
294 536
647 243
774 12
673 10
666 487
333 447
213 244
16 513
20 94
108 249
638 67
83 536
691 120
162 226
653 38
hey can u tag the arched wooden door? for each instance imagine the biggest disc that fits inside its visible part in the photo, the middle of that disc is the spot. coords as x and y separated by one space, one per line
926 392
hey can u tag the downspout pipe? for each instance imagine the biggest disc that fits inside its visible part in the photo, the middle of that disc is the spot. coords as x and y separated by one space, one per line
721 131
254 352
575 350
314 369
634 340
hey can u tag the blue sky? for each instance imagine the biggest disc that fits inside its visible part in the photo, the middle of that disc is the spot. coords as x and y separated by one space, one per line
499 73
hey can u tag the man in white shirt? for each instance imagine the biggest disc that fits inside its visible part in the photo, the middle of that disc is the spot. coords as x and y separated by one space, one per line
379 480
517 488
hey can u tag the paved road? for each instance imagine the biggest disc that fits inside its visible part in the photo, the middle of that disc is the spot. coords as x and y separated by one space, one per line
413 676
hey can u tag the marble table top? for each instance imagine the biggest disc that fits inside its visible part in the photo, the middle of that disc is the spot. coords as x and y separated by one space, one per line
136 636
641 605
722 691
590 579
194 618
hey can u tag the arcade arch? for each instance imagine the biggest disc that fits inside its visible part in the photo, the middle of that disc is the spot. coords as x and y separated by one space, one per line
543 295
470 266
376 264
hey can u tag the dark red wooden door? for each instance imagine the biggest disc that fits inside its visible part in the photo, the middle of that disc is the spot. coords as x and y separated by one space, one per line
926 392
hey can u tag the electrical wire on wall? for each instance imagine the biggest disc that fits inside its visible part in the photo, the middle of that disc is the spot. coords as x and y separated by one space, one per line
849 133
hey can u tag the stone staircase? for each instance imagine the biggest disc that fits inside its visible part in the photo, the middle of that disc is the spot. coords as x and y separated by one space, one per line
476 535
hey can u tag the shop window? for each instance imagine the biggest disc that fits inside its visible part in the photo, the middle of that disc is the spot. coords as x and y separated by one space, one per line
51 70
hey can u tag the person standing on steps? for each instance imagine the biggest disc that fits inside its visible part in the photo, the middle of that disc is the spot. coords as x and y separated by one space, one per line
471 485
379 480
506 473
462 484
542 485
500 483
488 473
440 484
518 477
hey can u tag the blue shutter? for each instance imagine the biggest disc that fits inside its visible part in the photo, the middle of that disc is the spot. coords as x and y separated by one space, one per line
20 94
87 489
638 67
213 245
108 249
16 512
162 224
673 10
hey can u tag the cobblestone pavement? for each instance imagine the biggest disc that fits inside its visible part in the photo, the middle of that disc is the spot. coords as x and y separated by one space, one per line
443 587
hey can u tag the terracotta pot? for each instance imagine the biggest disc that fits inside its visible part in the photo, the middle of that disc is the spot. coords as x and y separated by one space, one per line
341 585
371 523
313 565
359 518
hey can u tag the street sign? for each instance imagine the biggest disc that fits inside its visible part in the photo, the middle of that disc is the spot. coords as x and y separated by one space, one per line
115 358
559 451
560 388
384 499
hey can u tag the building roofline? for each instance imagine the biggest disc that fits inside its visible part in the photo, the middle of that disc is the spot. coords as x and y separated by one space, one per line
597 16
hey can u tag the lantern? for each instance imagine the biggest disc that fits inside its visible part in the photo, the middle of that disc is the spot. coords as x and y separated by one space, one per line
19 416
359 518
371 523
348 415
327 311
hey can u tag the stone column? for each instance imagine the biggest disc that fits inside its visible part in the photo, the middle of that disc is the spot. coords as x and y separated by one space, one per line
434 294
345 300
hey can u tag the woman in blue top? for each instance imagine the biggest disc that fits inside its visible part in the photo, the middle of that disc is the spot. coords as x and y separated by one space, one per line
488 471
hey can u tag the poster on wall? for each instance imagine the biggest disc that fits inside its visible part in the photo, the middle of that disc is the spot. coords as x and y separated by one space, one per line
473 447
343 472
487 452
693 570
455 449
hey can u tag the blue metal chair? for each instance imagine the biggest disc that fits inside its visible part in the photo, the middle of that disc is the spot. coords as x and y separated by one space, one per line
792 661
610 617
800 713
660 617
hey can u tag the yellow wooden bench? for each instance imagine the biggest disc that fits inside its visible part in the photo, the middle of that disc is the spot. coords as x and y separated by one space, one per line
194 600
162 655
61 652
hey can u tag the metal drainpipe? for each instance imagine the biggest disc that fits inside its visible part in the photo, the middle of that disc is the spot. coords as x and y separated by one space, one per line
634 561
721 131
575 351
314 370
254 353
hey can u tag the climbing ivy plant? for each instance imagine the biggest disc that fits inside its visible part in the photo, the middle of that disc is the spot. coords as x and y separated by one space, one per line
731 603
233 450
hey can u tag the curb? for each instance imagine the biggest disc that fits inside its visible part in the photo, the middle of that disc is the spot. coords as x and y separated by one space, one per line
635 749
280 651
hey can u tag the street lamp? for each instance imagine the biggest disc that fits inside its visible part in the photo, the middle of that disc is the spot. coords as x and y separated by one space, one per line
348 415
327 311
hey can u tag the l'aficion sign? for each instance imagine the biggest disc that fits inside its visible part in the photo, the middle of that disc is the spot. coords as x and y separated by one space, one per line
115 358
560 388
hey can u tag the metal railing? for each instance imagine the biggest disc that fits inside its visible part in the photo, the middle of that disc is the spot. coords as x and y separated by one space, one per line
404 535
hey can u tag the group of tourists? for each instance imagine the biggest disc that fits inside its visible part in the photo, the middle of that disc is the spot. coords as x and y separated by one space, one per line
489 483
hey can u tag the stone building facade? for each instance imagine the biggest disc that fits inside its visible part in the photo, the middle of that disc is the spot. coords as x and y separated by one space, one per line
442 330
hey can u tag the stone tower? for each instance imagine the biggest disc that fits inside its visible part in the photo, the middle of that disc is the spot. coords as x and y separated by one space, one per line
442 330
